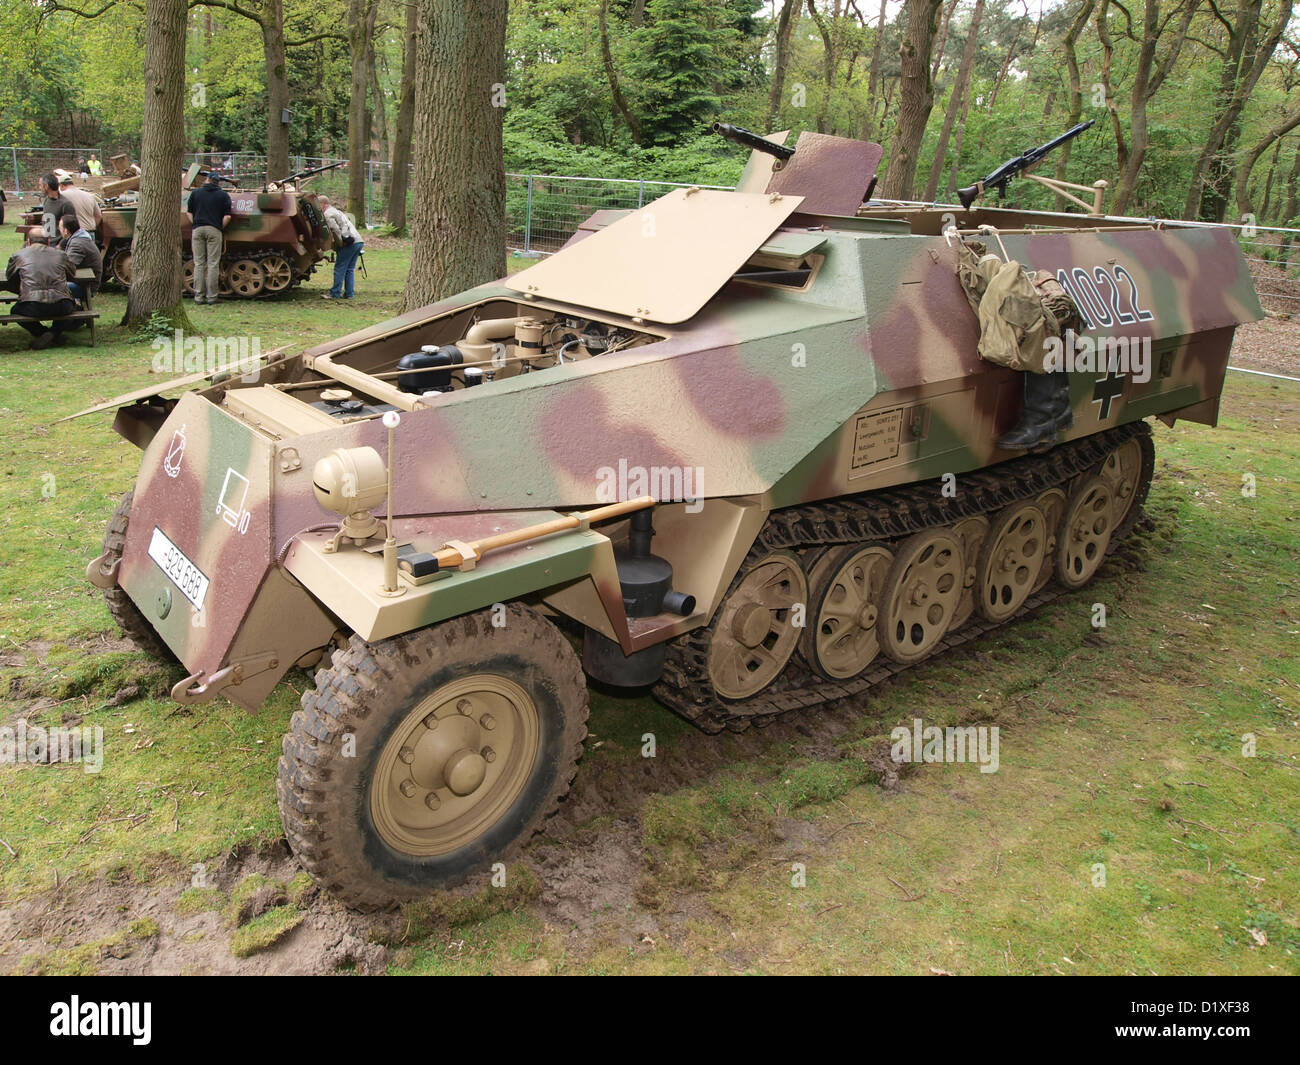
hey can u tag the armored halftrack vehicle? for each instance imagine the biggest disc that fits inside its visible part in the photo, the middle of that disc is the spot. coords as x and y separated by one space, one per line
274 241
737 446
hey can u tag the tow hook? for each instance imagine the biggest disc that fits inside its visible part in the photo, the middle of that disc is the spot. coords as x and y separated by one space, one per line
103 573
190 693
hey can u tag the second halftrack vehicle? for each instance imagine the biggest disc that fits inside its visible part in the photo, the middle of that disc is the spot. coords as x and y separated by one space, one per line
275 240
738 446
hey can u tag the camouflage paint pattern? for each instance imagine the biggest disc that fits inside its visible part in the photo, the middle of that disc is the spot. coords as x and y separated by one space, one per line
863 378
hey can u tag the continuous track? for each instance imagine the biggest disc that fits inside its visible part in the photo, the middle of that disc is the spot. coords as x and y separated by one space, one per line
885 517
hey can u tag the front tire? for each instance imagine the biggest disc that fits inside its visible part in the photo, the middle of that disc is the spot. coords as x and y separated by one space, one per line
421 760
135 627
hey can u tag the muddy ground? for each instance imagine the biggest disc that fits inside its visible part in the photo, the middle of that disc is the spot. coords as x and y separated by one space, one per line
588 867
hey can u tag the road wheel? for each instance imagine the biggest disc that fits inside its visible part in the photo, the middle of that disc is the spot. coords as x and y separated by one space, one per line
1085 532
1052 505
839 640
755 632
971 533
187 276
426 758
1010 561
921 594
127 615
1127 470
246 278
121 268
277 273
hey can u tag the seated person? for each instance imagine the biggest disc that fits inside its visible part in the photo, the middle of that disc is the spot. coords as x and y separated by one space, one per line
41 275
79 246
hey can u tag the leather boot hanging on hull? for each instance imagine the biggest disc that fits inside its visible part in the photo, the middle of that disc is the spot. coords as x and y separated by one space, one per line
1047 412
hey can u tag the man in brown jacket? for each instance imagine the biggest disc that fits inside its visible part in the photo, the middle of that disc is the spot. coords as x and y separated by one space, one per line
41 275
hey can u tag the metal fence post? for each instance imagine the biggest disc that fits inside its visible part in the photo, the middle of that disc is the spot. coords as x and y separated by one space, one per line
528 220
18 188
640 195
370 186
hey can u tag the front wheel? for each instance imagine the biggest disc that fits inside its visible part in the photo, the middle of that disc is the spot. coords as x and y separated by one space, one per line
423 759
133 624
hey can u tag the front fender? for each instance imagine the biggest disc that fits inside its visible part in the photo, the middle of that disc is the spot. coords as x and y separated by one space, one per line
349 581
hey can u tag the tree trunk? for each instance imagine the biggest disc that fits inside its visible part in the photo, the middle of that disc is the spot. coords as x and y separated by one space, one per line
1251 157
277 90
1148 76
1292 185
1002 72
1068 44
956 148
943 39
916 98
831 44
459 225
1137 149
1244 61
616 93
873 77
784 30
379 104
358 148
405 120
156 251
955 101
1268 179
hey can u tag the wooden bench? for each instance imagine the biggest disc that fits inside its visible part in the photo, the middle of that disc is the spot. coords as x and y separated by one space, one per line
88 315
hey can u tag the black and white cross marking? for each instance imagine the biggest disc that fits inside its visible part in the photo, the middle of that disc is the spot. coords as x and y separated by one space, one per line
1107 388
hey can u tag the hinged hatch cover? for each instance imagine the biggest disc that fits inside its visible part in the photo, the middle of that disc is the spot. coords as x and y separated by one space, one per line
664 261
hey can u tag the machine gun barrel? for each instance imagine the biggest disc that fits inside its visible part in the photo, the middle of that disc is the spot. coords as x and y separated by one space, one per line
312 172
749 139
1002 176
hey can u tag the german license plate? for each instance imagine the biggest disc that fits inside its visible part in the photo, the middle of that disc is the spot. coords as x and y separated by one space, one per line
183 573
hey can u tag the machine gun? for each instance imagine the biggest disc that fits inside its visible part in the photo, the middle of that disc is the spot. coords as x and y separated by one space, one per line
301 174
1001 177
755 141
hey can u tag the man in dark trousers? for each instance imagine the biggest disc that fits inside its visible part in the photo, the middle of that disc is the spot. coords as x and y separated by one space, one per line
209 211
79 246
41 275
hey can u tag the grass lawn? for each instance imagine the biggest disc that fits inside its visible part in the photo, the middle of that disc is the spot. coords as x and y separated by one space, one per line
1129 827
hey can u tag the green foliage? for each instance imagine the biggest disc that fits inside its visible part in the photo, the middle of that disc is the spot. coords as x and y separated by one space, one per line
150 329
679 64
673 60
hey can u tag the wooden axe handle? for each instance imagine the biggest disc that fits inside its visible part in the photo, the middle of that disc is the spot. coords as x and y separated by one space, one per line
451 558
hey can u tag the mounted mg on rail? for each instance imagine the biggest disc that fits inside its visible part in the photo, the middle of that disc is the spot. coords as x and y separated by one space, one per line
738 445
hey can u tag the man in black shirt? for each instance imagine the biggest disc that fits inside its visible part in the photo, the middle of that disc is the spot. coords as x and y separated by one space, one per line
56 206
209 210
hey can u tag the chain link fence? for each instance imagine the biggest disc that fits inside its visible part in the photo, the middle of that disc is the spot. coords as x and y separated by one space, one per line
25 167
542 210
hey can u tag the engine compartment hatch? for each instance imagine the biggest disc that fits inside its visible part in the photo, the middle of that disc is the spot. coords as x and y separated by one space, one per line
664 261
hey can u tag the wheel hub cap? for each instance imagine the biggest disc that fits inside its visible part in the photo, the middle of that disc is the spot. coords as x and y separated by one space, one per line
440 781
441 756
753 622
